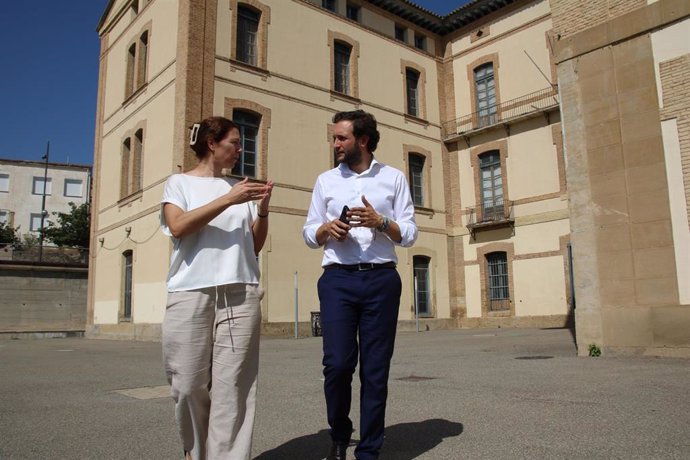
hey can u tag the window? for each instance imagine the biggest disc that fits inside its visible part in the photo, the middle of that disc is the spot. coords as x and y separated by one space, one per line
497 282
328 4
412 85
417 179
247 32
4 217
38 186
131 63
135 6
124 168
400 33
35 222
73 188
491 186
342 53
421 285
486 94
420 41
136 64
136 159
127 294
131 164
4 182
249 130
353 12
141 59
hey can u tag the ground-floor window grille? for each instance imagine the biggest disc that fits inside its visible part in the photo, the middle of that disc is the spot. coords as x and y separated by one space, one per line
497 282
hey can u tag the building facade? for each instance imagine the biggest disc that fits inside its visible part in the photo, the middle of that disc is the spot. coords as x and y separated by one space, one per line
468 106
21 191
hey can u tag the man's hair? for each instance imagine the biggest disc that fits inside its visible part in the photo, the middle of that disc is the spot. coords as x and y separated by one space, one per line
363 123
214 128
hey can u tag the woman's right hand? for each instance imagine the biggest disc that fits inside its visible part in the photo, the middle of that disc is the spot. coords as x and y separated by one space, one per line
245 191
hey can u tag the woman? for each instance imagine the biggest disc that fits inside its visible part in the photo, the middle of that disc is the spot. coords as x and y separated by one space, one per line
213 316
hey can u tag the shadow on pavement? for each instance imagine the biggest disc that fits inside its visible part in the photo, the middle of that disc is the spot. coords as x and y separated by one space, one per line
404 441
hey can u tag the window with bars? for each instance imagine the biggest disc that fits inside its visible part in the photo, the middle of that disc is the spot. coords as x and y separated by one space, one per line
248 124
412 86
492 208
127 291
342 52
416 164
485 89
247 34
497 281
422 285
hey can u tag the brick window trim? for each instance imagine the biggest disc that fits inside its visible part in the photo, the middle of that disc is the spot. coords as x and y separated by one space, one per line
489 58
421 87
482 252
408 150
502 148
433 263
262 38
354 64
133 74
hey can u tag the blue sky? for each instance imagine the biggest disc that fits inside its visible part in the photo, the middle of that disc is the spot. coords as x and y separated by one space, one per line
49 78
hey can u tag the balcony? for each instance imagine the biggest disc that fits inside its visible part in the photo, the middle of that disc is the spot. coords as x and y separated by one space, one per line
505 113
490 216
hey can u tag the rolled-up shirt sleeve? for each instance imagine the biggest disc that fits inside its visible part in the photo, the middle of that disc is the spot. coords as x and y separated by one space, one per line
315 218
404 213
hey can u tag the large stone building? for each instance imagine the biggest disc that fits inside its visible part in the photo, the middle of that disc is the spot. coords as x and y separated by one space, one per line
468 106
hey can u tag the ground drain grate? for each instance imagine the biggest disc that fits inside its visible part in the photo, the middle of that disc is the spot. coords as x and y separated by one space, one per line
534 357
415 378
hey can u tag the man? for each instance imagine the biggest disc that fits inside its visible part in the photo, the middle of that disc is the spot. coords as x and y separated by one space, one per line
359 290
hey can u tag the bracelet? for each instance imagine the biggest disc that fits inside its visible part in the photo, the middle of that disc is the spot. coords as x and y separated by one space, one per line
263 216
384 226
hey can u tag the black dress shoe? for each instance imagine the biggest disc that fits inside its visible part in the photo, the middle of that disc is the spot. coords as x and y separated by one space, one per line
338 451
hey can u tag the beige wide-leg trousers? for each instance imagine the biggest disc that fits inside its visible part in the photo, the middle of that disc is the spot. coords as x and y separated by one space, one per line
211 357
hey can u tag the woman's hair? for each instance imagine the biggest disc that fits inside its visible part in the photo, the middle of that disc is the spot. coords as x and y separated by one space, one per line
363 123
212 128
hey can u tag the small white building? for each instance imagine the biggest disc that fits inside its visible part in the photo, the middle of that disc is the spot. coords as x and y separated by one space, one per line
21 191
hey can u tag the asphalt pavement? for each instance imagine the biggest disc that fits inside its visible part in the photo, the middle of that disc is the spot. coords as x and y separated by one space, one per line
461 394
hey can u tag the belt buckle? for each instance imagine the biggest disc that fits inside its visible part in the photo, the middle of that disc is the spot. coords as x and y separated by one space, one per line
365 267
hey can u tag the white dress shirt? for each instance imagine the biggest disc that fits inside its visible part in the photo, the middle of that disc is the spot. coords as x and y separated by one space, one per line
385 188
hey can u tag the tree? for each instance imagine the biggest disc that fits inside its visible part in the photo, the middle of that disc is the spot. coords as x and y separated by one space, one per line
8 235
72 228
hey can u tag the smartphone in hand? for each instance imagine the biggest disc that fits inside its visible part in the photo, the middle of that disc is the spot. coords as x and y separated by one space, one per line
343 215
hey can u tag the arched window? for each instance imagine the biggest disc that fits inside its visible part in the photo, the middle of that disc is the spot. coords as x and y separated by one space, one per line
124 167
497 283
491 180
485 90
127 284
137 161
412 87
141 59
248 123
341 60
416 165
247 34
422 285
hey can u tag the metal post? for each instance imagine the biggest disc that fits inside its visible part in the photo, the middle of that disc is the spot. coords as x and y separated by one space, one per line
43 203
296 307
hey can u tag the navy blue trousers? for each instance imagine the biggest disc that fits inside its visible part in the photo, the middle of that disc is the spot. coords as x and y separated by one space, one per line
359 315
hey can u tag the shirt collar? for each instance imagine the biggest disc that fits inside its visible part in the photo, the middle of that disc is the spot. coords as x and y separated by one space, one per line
345 169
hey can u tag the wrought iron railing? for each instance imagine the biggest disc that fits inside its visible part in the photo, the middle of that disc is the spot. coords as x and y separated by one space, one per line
488 213
536 102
